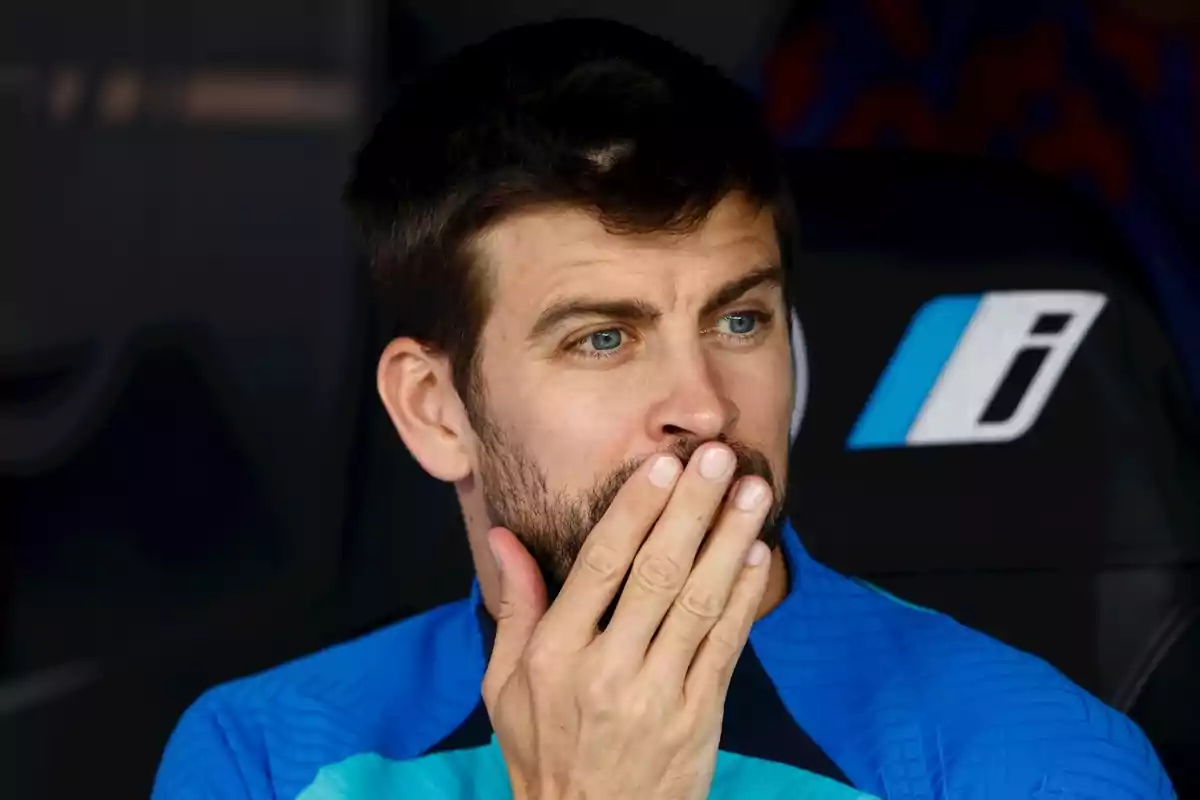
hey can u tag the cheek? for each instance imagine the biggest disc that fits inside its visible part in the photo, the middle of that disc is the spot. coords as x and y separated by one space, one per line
763 393
578 434
765 408
762 386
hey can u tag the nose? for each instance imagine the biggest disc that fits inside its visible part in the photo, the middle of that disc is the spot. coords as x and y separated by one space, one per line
694 404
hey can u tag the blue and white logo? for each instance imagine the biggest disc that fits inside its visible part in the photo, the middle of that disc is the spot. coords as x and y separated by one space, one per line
958 352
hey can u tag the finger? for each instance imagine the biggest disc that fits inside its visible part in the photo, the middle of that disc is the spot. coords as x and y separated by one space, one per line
665 560
708 678
522 606
604 559
709 588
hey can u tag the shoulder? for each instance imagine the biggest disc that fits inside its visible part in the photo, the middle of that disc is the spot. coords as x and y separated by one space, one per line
395 692
1002 717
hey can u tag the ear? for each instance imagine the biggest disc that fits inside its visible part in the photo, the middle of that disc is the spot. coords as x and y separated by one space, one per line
415 385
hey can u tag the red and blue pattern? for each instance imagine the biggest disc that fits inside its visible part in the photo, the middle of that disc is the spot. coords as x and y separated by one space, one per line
1073 88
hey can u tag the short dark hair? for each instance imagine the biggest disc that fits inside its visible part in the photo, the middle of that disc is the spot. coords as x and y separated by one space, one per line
584 113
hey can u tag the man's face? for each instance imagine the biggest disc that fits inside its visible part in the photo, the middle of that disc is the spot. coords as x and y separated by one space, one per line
603 349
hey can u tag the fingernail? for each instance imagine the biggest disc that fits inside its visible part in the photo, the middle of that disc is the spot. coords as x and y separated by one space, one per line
757 554
749 495
496 556
715 462
664 472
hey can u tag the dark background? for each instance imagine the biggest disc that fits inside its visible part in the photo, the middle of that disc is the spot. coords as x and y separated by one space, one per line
195 479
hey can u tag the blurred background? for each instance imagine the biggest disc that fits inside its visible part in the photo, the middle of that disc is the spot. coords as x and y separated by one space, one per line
196 481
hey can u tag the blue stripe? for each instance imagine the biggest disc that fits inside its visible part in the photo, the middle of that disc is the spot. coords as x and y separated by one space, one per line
911 374
480 773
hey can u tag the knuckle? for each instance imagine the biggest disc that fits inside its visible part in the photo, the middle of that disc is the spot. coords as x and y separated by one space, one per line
597 694
490 689
643 706
660 573
725 644
539 661
701 603
507 609
601 676
600 560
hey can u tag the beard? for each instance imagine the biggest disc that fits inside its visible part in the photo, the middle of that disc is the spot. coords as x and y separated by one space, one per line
554 525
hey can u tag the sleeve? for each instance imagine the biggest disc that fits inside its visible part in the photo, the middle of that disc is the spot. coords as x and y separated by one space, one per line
1104 755
202 761
1118 763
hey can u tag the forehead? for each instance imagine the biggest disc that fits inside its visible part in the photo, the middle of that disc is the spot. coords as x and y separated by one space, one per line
546 253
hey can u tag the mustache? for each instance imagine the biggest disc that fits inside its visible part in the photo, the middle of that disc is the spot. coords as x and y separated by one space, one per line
749 462
554 526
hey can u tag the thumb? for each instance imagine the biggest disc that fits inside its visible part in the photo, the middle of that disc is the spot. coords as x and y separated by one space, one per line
522 605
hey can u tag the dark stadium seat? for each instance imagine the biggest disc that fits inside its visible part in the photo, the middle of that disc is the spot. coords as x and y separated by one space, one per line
1161 694
180 353
997 426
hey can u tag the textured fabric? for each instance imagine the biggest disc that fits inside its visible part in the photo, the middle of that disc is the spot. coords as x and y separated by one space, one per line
907 703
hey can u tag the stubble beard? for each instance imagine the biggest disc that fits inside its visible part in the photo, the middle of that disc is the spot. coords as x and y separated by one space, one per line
553 525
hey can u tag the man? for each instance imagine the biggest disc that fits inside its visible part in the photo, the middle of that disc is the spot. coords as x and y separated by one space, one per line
582 233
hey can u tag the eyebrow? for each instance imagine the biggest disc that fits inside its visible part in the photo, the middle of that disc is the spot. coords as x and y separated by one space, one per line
639 312
771 275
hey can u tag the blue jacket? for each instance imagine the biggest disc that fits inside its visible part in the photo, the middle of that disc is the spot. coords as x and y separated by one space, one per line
844 692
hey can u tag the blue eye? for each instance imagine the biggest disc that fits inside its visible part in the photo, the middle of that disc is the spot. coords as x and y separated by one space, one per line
604 340
740 324
606 343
